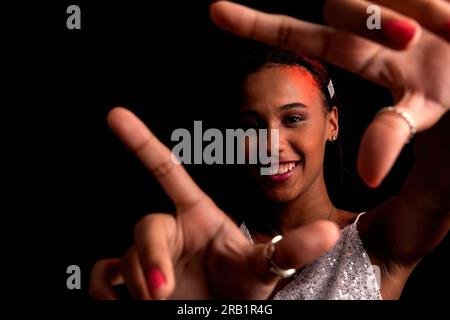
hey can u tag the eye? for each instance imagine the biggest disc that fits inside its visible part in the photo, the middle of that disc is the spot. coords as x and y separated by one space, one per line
290 120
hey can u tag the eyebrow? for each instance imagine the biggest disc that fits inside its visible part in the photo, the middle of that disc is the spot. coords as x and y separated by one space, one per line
282 108
292 105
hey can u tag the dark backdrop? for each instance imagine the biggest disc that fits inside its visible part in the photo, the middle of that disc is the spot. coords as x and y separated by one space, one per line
71 192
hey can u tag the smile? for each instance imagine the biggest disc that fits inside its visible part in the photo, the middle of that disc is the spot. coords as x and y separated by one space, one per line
285 170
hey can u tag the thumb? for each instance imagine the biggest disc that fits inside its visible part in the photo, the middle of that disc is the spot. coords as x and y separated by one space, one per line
390 131
381 144
297 249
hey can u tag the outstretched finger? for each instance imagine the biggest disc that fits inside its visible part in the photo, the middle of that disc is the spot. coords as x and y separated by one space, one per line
172 177
311 39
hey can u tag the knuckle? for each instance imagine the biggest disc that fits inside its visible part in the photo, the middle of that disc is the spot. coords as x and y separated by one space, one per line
163 169
284 32
141 146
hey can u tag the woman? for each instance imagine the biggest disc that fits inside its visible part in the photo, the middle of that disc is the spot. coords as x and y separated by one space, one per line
201 253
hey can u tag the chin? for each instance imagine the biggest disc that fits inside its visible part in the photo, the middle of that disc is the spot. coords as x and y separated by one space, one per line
280 195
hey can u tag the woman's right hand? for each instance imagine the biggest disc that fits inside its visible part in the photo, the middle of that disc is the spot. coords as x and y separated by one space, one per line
199 252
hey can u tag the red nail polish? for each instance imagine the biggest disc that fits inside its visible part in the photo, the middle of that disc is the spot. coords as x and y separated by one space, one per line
154 279
399 33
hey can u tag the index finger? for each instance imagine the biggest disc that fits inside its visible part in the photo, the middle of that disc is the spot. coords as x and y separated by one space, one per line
172 177
286 32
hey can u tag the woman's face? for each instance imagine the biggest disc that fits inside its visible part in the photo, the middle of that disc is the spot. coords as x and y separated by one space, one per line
287 98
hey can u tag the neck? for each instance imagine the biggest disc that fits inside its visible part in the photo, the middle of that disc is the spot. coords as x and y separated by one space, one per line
310 206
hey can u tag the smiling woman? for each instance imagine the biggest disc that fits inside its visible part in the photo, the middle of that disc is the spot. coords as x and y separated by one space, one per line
291 93
300 244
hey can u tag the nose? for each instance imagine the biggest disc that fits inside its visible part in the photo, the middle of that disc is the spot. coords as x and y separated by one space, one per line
276 141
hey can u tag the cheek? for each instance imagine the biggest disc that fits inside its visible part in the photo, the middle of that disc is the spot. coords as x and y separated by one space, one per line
315 144
310 141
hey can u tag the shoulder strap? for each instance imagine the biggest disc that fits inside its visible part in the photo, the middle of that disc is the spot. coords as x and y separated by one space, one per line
357 218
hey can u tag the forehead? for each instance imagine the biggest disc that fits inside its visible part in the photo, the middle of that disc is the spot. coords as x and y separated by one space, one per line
277 85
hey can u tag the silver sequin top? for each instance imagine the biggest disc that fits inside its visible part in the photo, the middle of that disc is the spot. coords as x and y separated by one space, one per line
344 273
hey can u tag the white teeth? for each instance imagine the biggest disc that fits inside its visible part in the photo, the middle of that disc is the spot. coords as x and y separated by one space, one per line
283 168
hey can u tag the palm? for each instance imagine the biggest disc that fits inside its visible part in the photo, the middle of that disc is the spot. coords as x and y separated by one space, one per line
423 68
204 255
212 260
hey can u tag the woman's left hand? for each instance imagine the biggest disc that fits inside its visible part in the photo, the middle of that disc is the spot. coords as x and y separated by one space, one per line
409 54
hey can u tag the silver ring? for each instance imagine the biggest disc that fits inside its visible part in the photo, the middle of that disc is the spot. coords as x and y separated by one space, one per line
273 267
405 116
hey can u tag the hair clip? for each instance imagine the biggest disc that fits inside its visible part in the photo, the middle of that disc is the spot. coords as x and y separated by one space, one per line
331 89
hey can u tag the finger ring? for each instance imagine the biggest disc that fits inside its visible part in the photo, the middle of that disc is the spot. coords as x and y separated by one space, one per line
273 267
405 116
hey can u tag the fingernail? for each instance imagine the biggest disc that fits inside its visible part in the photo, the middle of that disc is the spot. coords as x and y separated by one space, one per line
154 279
399 32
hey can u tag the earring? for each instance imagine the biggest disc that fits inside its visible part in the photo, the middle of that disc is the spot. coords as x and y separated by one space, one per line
334 138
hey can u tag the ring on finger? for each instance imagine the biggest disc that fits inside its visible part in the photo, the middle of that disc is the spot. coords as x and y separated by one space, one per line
273 267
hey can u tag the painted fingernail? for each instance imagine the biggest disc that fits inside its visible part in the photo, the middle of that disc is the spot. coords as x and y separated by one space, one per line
399 32
154 279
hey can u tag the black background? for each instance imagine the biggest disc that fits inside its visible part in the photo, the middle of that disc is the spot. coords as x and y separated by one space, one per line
71 193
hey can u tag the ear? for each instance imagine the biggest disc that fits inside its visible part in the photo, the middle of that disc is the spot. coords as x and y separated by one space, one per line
333 124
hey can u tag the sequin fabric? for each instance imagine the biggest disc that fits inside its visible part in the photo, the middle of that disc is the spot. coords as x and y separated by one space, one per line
344 273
